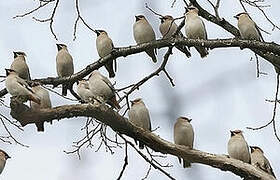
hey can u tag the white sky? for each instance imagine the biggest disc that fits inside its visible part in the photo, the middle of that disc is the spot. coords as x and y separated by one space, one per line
220 92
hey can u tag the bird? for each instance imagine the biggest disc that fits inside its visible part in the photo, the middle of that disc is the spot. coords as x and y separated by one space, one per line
17 86
44 96
104 45
195 29
20 66
101 87
167 28
143 33
139 116
238 147
3 158
259 160
184 135
64 66
84 91
247 27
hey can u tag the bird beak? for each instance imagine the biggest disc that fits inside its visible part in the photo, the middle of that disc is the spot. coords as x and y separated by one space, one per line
252 149
15 54
58 47
186 10
97 32
7 72
190 120
231 133
137 18
236 17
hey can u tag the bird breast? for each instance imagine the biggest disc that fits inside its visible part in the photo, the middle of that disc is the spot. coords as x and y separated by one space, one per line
167 29
20 66
238 149
2 164
103 45
64 63
15 88
195 28
139 116
248 30
184 135
143 32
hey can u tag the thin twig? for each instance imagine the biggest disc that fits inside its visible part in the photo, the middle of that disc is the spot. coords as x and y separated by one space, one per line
125 162
274 113
146 6
33 10
51 19
147 159
79 17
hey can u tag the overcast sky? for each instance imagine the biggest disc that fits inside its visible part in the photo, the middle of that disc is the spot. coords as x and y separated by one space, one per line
220 93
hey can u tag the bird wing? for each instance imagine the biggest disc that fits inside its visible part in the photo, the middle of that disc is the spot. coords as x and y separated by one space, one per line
258 30
107 81
86 86
204 27
115 62
23 83
28 74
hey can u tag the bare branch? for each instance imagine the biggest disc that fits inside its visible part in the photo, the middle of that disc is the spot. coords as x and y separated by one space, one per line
51 19
121 125
273 115
10 134
79 17
270 51
33 10
125 161
146 6
216 8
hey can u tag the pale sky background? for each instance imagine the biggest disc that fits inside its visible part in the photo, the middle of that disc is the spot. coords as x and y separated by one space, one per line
220 93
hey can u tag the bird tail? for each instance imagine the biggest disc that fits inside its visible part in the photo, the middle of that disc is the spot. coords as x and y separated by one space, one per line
184 50
151 53
115 103
64 90
110 69
202 51
186 164
34 98
40 126
141 145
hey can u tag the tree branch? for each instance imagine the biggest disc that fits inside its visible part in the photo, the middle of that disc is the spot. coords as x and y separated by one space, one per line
121 124
271 50
233 30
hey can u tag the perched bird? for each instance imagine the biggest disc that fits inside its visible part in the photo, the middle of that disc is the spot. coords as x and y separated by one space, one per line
84 91
143 33
64 66
247 27
101 87
238 147
17 86
195 29
20 66
139 116
104 45
184 135
44 96
259 160
3 158
167 28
